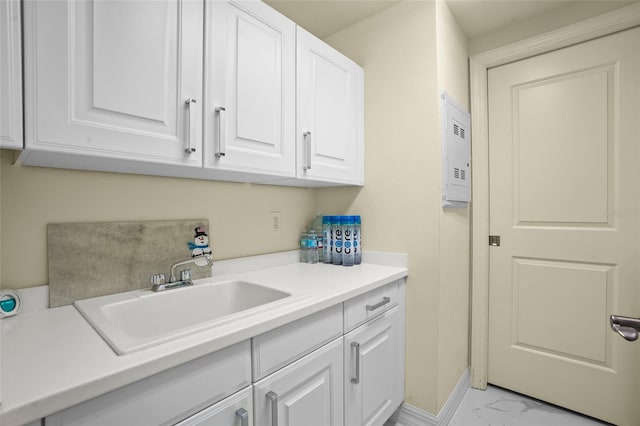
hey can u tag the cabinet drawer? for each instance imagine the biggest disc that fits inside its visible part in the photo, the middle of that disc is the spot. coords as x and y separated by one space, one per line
276 348
230 411
371 304
166 397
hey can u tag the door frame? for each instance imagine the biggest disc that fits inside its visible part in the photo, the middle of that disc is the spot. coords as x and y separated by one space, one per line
608 23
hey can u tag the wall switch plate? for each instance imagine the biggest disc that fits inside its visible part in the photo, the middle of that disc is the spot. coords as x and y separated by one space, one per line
274 221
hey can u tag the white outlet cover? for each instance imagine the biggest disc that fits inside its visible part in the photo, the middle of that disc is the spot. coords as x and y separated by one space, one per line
274 221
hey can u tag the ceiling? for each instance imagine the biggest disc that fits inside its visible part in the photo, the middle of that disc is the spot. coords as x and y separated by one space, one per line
325 17
476 17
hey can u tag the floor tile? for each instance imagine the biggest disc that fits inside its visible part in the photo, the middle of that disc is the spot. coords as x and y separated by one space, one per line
496 406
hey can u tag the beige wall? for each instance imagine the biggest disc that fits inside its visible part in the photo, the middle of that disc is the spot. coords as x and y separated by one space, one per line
453 306
401 201
31 197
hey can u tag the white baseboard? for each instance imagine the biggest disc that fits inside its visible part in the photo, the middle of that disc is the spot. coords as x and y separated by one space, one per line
408 415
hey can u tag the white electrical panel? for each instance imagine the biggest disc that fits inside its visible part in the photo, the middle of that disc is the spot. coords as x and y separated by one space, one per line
456 153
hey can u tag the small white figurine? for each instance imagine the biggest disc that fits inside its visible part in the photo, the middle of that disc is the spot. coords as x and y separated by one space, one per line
200 245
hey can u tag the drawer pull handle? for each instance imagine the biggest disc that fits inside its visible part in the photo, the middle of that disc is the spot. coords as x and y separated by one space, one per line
273 397
380 304
244 416
356 346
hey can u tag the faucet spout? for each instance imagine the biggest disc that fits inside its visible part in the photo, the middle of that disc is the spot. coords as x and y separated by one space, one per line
172 276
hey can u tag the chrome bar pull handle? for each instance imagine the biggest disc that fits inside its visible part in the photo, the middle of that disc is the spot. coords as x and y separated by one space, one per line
273 397
356 346
307 150
220 112
380 304
244 416
626 327
190 148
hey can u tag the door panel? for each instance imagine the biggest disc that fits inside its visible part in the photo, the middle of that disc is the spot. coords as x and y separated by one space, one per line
136 86
563 197
557 121
533 281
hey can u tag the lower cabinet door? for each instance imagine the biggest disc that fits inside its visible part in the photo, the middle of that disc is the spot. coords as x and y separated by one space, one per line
308 392
373 370
236 410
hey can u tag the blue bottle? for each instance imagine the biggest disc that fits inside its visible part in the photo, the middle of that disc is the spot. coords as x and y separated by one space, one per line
336 227
357 241
347 240
326 239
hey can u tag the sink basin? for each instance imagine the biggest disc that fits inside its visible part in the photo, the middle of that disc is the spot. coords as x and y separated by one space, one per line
137 320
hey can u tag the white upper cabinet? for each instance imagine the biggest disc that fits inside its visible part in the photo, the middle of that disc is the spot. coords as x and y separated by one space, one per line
249 112
115 79
215 89
330 130
10 75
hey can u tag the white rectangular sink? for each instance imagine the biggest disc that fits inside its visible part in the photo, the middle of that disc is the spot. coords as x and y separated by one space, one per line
139 319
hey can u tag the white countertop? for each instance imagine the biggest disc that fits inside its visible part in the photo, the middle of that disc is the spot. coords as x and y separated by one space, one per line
53 359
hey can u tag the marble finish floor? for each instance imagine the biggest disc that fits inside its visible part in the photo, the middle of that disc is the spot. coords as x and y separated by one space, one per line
497 407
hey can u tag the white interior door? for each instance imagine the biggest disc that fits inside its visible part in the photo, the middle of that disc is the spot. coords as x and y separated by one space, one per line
564 175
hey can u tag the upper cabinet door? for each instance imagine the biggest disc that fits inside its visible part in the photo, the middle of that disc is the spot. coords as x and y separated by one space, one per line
249 116
330 136
117 79
10 75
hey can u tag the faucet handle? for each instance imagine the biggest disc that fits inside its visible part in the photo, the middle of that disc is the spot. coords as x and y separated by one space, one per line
157 279
185 275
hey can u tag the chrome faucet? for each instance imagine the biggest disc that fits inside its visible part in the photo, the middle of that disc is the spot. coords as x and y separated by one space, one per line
172 277
185 280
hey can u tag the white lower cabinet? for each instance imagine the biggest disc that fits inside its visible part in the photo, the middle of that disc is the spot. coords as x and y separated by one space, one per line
374 372
236 410
308 392
305 373
167 397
